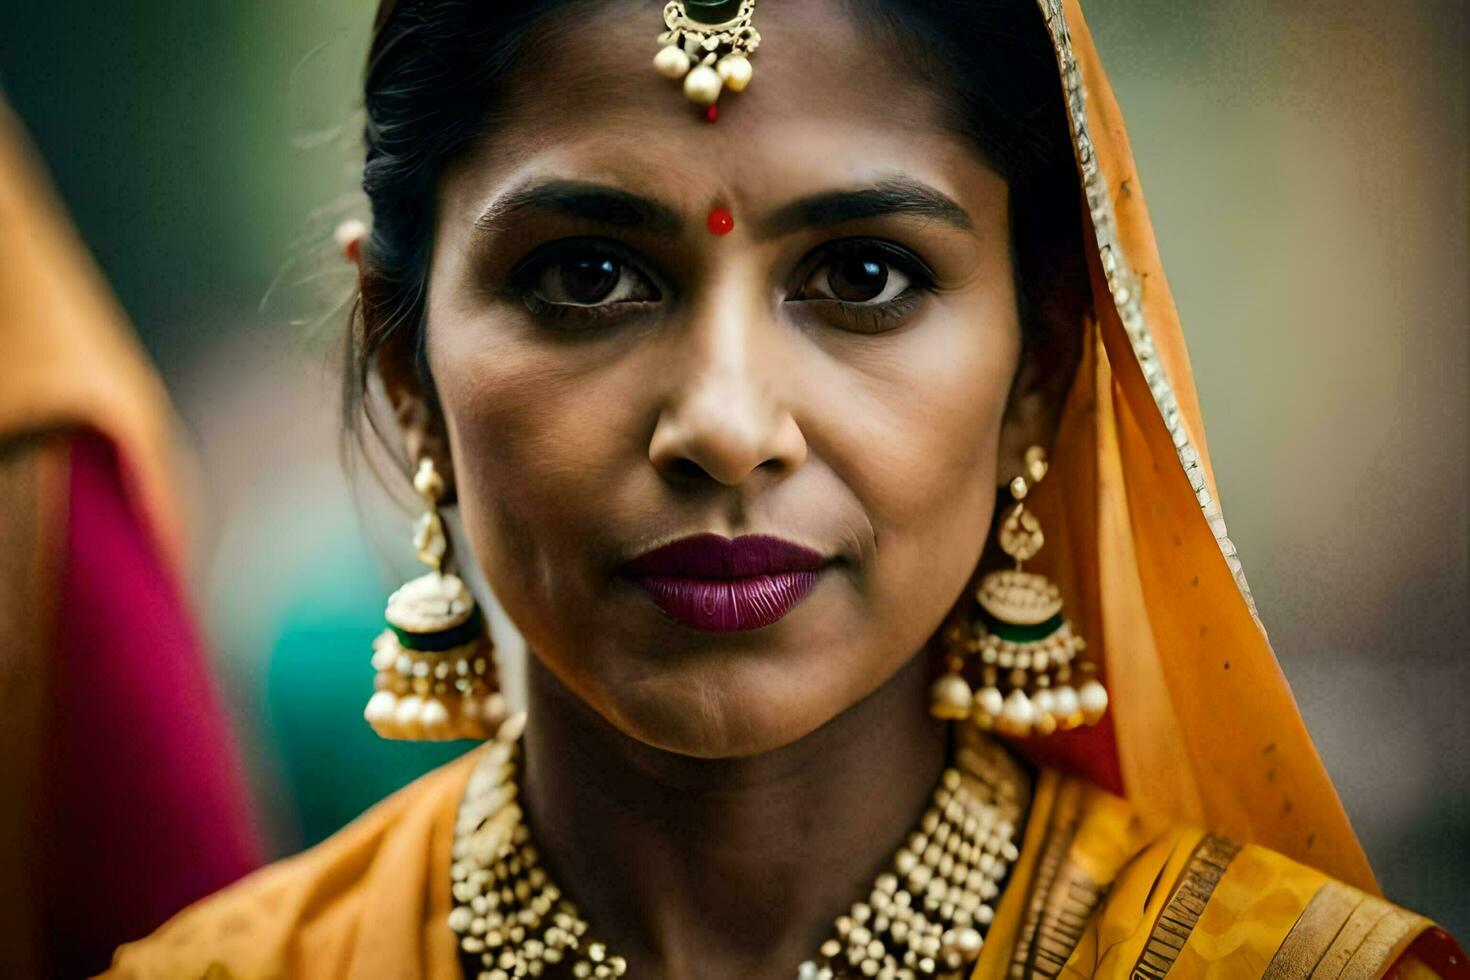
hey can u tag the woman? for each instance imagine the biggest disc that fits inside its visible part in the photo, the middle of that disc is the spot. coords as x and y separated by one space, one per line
804 432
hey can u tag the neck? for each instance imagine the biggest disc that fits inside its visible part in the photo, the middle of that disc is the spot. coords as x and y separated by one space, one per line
730 867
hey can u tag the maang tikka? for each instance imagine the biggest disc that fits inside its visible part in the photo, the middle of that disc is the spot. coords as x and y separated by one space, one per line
708 45
436 675
1033 678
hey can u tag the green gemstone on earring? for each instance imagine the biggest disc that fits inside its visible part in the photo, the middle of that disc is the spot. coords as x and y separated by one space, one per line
1022 633
440 640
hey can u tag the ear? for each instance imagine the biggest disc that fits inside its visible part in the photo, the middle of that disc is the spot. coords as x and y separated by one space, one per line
406 382
1031 414
409 391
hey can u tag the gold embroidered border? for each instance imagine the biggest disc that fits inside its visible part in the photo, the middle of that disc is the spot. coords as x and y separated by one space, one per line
1207 865
1126 293
1063 898
1059 833
1073 899
1387 936
1342 934
1313 931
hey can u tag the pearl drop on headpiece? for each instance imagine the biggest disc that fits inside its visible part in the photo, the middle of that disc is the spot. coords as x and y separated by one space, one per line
707 46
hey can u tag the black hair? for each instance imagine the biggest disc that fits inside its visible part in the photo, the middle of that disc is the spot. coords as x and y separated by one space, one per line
438 70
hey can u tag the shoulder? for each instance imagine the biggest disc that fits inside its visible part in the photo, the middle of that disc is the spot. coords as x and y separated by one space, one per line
300 917
1124 896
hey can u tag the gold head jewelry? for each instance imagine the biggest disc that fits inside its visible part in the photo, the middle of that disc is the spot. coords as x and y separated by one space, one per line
436 676
1034 680
708 45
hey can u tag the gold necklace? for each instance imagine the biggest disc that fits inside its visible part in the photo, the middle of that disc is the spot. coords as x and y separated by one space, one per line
926 917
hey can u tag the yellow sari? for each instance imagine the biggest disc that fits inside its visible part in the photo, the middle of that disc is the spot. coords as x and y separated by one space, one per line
1203 731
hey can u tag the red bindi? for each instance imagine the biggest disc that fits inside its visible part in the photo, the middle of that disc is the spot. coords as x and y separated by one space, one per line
720 221
712 114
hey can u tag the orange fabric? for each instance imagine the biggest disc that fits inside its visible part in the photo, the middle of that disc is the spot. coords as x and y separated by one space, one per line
70 360
1206 729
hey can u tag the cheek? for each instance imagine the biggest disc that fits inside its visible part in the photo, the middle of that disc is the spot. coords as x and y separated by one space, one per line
912 429
529 460
918 440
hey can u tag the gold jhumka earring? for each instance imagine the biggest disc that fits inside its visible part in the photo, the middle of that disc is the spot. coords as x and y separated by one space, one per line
708 45
435 660
1034 680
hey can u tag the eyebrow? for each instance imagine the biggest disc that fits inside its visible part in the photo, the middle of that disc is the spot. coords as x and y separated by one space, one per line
885 198
597 203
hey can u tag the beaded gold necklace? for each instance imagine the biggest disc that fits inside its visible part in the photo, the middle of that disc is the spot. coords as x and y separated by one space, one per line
926 917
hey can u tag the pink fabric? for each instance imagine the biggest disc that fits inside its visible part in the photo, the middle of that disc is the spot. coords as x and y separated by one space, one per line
150 808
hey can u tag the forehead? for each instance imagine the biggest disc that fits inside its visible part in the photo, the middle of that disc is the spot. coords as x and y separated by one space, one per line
829 103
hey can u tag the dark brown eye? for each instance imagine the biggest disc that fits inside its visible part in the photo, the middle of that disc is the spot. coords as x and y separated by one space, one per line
589 280
857 280
861 273
585 276
863 285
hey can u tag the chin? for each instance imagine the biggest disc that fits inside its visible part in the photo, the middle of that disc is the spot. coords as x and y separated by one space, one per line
727 713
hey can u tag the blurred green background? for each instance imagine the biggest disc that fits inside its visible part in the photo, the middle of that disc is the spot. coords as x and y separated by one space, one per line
1306 166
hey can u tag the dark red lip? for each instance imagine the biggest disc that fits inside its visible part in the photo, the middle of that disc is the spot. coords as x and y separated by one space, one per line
713 583
713 556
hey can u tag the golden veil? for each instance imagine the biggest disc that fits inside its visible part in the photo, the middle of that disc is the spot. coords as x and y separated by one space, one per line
1204 727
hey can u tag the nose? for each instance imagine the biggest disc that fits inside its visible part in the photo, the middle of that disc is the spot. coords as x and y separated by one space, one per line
726 417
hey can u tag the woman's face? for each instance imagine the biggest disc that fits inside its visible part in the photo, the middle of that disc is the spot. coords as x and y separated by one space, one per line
614 376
